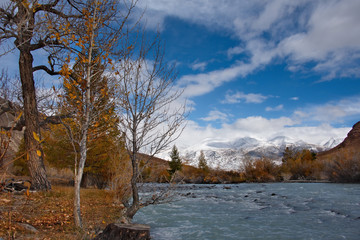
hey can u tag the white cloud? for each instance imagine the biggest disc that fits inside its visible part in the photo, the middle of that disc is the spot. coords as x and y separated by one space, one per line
320 116
298 32
200 84
277 108
234 51
294 98
260 128
237 97
333 26
217 14
330 112
215 115
199 66
331 39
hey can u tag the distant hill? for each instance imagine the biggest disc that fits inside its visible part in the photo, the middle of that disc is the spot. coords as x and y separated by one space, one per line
350 143
342 163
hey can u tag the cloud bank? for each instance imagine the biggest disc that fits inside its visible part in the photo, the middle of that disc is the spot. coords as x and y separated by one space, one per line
325 33
311 124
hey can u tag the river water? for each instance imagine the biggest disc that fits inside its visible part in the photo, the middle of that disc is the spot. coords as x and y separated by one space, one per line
257 211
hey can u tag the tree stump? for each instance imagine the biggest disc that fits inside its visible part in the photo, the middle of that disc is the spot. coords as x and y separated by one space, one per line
125 232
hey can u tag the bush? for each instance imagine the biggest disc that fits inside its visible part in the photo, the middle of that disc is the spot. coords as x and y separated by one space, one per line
344 166
301 164
261 170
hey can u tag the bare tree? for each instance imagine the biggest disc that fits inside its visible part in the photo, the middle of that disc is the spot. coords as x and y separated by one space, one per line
24 21
149 118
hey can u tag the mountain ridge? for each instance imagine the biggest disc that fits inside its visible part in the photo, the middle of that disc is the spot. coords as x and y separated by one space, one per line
230 155
351 142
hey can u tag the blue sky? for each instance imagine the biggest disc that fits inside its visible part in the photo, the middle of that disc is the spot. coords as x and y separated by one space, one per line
263 68
260 68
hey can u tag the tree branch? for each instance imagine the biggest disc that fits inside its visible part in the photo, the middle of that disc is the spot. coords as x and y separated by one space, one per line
43 43
51 72
48 120
57 119
50 8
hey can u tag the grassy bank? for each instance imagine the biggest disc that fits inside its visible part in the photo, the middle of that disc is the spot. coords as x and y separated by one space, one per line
51 214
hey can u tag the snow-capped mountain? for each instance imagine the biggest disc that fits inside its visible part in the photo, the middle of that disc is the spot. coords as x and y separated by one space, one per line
230 155
332 142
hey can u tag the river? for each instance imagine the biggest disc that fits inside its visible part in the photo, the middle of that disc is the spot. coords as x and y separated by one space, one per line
257 211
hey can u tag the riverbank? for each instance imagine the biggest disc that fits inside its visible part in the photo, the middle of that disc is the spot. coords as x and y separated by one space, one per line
49 215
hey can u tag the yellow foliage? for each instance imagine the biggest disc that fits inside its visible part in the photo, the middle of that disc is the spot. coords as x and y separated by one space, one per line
260 170
36 137
38 152
343 166
301 164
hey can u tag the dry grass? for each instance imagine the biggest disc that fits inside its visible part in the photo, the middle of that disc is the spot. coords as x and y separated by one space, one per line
51 213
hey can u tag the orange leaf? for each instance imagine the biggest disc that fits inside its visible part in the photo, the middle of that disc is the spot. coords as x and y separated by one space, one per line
38 152
36 137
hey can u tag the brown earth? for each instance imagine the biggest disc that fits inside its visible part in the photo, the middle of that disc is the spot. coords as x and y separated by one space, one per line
49 215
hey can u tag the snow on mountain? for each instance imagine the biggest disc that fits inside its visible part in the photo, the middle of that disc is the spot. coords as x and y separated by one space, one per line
230 155
332 142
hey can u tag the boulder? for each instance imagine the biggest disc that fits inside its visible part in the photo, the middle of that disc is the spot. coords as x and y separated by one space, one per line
115 231
12 185
27 227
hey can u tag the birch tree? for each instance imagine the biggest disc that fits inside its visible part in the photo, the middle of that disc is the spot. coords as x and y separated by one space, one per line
149 118
93 44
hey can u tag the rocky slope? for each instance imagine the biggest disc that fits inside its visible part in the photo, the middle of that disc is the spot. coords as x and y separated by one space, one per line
7 117
351 142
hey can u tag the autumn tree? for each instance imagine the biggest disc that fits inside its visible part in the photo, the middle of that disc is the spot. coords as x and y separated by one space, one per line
202 162
149 118
24 22
87 91
105 153
289 154
301 164
343 166
261 170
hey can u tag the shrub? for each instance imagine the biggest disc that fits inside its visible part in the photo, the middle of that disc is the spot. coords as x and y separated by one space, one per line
344 166
301 164
260 170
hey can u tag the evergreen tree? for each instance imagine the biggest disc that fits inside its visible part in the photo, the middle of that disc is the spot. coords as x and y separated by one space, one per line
288 154
175 163
202 162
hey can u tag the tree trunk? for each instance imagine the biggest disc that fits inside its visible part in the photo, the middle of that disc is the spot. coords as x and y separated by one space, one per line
125 232
135 206
33 146
78 177
26 22
79 170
